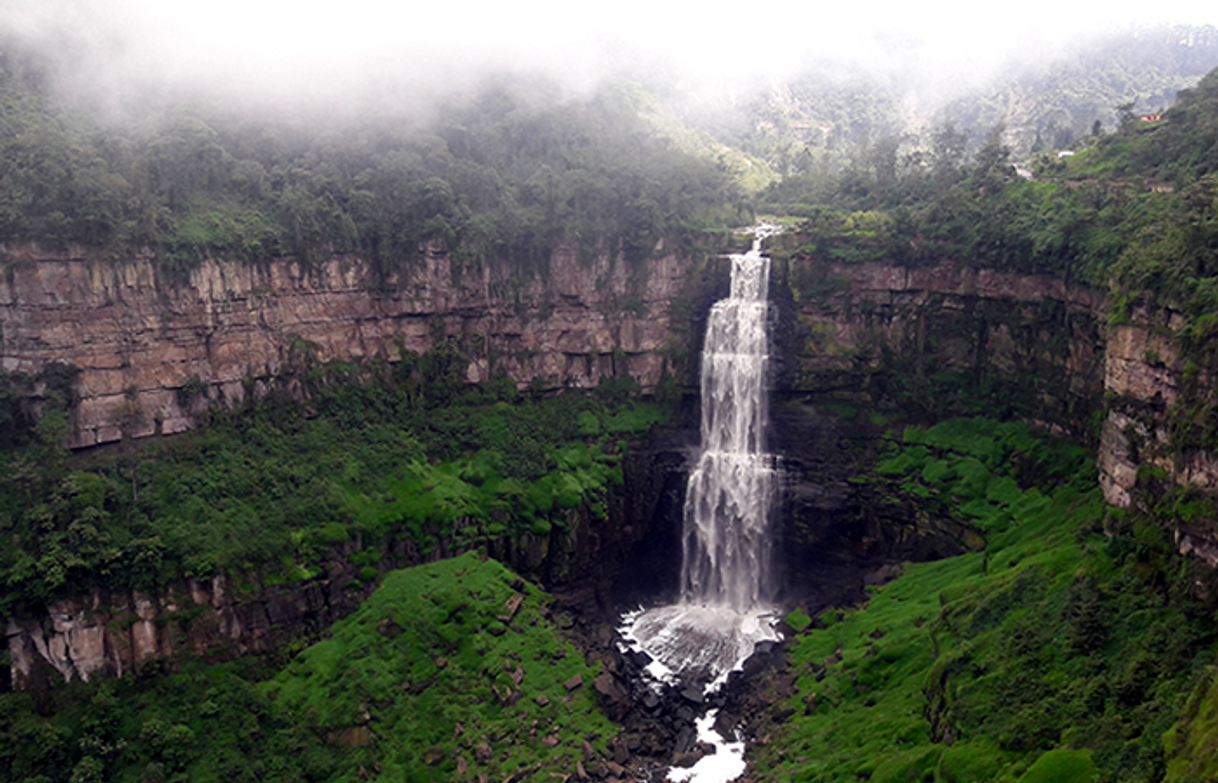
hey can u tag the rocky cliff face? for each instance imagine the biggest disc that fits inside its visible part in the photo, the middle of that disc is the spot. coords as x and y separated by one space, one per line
140 338
1159 403
869 334
884 333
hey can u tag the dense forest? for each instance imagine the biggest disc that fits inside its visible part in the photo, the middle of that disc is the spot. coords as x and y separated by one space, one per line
502 177
1079 645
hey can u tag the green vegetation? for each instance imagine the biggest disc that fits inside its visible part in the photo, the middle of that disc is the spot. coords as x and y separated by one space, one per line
837 131
503 178
434 674
269 493
1062 652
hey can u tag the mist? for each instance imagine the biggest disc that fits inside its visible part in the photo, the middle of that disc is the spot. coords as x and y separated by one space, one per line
124 57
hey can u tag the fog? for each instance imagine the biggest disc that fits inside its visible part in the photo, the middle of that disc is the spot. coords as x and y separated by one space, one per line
358 54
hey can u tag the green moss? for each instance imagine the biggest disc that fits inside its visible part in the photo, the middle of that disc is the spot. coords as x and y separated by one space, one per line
267 490
1192 742
1062 766
1055 652
798 620
433 666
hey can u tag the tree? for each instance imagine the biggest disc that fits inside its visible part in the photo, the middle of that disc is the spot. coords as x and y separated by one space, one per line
947 147
992 163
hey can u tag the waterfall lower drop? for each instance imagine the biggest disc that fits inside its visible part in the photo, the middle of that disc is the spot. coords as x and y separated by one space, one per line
725 572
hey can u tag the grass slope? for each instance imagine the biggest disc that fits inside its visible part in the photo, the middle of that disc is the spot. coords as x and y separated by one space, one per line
1059 653
425 680
443 681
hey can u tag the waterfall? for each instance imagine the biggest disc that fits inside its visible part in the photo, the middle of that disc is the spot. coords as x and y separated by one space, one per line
727 502
725 570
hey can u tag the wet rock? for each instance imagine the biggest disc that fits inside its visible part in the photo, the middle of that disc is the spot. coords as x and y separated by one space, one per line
882 575
613 698
692 693
388 628
638 659
689 758
687 737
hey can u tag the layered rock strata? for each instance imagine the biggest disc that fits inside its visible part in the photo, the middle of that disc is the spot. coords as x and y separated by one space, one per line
140 337
1036 337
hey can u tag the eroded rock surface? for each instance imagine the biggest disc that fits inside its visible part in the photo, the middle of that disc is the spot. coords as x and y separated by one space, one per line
138 335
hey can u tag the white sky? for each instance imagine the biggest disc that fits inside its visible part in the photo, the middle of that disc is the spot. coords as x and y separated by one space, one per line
338 47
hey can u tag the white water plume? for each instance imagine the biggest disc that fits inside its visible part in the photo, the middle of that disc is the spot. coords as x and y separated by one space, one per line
725 570
725 544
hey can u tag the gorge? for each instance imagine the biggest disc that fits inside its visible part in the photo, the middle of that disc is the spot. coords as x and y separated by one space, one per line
333 458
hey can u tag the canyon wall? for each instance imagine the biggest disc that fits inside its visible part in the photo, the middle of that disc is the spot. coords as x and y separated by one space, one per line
1158 436
1029 346
141 337
930 340
944 340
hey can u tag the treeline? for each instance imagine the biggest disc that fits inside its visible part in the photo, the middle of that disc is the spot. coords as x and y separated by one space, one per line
1137 206
834 115
504 176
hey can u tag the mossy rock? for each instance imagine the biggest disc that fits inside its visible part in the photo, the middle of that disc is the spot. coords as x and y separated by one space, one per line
1192 744
971 762
1062 766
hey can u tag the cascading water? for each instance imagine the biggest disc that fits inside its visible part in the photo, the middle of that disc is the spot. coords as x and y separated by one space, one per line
725 570
725 554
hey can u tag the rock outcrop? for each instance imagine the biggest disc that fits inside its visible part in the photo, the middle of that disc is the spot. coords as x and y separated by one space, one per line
881 331
141 337
109 633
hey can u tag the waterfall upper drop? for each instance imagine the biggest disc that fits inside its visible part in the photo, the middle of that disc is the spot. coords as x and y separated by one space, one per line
725 570
727 503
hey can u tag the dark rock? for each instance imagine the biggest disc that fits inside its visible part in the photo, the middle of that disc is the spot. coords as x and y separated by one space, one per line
686 739
638 659
688 758
388 628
